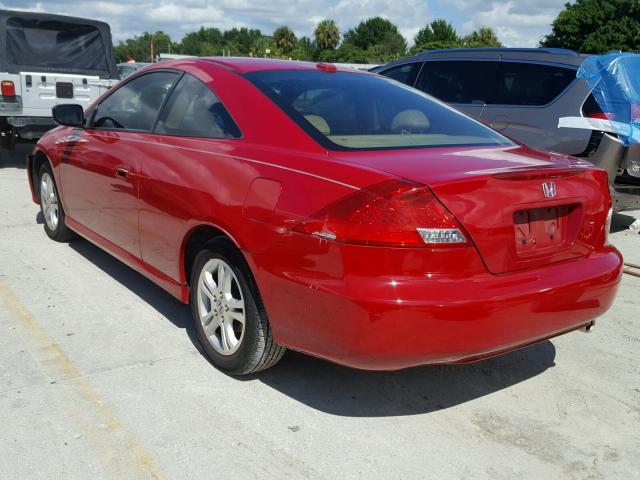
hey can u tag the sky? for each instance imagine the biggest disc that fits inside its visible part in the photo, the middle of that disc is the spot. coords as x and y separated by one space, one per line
521 23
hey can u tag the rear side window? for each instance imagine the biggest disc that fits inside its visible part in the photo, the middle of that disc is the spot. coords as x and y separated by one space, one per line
460 81
193 110
404 73
357 111
136 104
531 83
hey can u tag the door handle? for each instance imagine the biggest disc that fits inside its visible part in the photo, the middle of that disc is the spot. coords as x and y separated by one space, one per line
122 172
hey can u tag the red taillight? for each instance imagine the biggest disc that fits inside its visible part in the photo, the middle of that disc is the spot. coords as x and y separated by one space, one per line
591 109
392 213
598 115
8 88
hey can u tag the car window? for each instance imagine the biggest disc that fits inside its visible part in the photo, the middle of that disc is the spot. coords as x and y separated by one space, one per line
193 110
135 105
531 83
347 111
403 73
460 81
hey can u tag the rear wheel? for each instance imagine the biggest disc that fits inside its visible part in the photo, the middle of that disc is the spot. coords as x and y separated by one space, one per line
51 208
228 314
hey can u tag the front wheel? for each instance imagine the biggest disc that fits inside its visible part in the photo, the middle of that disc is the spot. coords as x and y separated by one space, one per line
51 209
228 314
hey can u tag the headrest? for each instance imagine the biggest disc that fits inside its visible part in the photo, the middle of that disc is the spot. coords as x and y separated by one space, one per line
410 121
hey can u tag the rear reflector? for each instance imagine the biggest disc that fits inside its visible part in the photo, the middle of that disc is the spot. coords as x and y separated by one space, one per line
8 89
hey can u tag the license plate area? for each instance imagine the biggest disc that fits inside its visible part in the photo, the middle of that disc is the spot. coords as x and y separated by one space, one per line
540 231
64 90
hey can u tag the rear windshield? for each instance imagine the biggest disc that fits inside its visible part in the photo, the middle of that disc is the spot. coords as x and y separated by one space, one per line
352 111
52 43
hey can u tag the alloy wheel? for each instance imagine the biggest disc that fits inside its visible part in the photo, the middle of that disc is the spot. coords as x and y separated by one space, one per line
49 201
221 307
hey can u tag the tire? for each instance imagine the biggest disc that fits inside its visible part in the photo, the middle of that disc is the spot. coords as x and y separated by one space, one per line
51 208
222 292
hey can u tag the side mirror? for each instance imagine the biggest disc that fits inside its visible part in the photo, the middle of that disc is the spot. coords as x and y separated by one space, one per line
69 115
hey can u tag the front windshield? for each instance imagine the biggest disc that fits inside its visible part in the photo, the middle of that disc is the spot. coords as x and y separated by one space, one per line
352 111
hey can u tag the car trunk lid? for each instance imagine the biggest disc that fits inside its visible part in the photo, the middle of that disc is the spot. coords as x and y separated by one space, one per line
522 208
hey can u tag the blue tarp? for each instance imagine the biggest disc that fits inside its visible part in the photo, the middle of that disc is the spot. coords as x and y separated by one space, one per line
615 82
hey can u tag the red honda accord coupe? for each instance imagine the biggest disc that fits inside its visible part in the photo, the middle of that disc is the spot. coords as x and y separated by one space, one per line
330 211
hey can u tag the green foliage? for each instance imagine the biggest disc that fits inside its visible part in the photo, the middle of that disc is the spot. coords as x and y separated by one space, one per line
380 33
483 37
597 26
285 39
327 34
241 41
436 45
440 35
139 47
206 41
437 32
266 47
374 40
305 49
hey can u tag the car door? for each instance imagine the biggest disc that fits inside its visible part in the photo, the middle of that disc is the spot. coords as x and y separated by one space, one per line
100 167
468 85
530 101
193 127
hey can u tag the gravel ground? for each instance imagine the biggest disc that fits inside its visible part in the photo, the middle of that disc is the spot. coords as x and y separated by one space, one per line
100 378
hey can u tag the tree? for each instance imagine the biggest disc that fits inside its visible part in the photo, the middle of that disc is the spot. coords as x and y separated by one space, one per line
327 34
596 26
305 49
285 39
241 41
266 46
377 31
206 41
483 37
139 47
437 31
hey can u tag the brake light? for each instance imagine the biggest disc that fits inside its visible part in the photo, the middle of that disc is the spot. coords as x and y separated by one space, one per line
8 88
598 115
591 109
392 213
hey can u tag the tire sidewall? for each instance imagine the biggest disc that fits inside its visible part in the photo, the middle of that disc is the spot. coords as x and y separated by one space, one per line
237 361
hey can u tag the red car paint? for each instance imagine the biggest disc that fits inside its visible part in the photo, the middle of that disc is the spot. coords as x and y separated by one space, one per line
141 196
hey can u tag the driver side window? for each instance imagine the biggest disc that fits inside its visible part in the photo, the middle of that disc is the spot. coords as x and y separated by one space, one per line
135 105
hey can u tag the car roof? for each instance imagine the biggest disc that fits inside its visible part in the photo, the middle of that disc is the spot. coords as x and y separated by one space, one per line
548 55
248 64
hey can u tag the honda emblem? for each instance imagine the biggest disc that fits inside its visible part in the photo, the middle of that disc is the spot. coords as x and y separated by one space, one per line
549 189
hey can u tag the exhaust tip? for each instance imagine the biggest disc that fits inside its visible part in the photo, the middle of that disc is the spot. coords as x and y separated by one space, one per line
589 327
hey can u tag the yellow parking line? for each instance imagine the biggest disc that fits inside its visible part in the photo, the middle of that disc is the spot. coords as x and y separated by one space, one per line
123 454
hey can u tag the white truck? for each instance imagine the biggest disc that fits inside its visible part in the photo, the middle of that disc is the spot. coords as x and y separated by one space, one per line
45 60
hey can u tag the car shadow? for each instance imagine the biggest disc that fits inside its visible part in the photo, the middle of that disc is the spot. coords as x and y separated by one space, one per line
173 310
620 221
347 392
343 391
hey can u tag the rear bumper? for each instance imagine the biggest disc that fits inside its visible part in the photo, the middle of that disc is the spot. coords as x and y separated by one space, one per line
381 323
30 128
11 107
